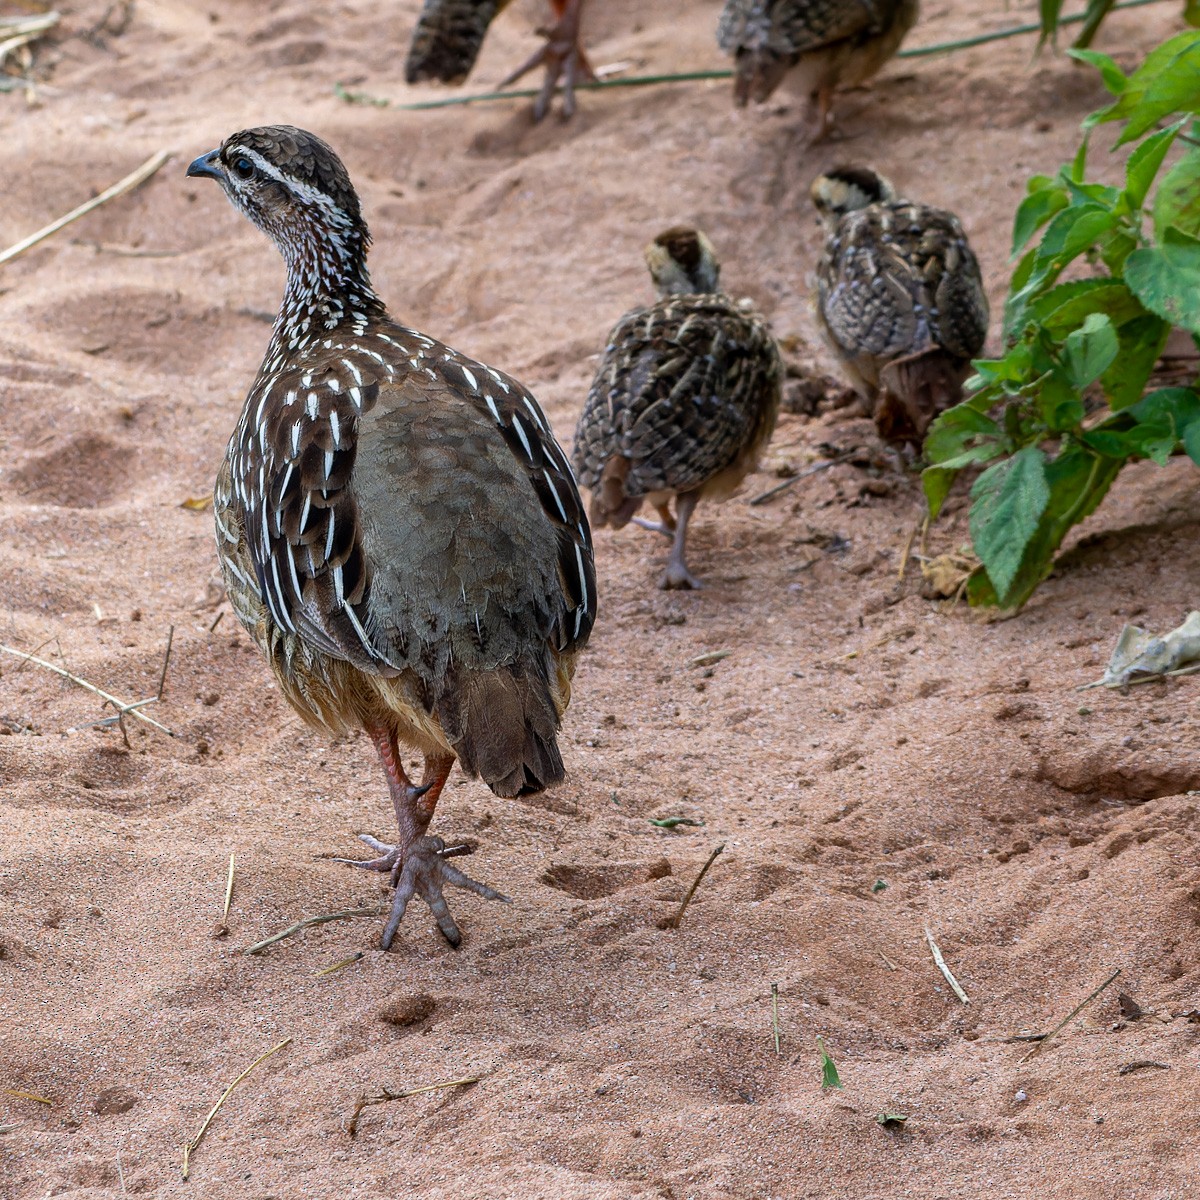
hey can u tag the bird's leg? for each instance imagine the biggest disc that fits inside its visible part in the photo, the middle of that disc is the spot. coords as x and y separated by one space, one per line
562 56
665 523
416 863
677 575
822 104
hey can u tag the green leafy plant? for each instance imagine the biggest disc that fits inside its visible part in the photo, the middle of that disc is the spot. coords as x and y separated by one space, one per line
829 1072
1065 408
1050 17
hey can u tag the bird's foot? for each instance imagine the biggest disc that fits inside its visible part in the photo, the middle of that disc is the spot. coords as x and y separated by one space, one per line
421 869
677 577
564 58
655 526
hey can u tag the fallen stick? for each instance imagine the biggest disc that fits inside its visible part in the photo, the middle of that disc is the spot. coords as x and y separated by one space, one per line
673 922
190 1147
20 1095
935 950
771 493
385 1095
222 929
1071 1015
131 181
337 966
344 915
775 1015
121 706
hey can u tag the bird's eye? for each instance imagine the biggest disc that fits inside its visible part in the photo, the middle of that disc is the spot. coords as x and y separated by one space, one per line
243 168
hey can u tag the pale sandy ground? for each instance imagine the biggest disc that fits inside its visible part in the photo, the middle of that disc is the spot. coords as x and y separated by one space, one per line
854 732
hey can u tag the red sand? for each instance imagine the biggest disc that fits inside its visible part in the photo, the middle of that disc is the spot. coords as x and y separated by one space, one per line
855 732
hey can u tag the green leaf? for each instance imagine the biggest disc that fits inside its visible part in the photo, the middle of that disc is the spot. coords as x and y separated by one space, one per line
1191 12
1143 163
671 822
1191 442
887 1119
1166 278
960 436
1048 15
1034 211
829 1072
1115 247
1163 419
1060 403
1066 306
1167 82
1008 500
1142 341
1177 201
1090 350
1113 76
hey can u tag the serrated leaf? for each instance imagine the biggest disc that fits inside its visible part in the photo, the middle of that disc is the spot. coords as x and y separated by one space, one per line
1143 163
1033 212
1060 403
1090 350
1066 306
1177 201
1166 278
1164 418
1191 442
1113 76
1167 82
1142 340
1008 500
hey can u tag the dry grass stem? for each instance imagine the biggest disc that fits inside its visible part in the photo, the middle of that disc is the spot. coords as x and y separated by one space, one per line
385 1095
20 31
779 488
337 966
222 926
674 922
775 1015
710 659
935 950
1071 1015
344 915
162 679
190 1147
120 705
20 1095
131 181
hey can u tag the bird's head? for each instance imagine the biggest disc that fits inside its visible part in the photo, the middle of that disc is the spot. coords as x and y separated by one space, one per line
294 187
682 262
845 189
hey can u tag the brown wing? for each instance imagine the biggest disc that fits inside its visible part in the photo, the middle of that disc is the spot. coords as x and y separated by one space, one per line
683 388
412 509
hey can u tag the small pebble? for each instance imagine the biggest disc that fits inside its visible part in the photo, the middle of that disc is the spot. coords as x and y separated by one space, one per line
1020 1097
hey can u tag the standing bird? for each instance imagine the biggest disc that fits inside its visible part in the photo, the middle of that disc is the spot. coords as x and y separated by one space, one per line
825 43
450 33
683 402
899 299
397 527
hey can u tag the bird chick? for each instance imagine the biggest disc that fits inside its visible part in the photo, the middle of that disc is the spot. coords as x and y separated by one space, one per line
683 402
899 299
824 44
449 35
397 527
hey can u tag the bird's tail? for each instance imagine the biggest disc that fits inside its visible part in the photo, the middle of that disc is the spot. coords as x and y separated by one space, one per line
447 40
610 505
913 390
503 724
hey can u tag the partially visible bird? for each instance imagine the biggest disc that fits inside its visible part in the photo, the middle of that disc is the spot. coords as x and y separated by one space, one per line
397 527
899 299
825 44
449 34
683 402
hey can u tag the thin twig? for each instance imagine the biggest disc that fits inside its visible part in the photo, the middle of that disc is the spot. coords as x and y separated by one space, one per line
20 1095
190 1147
775 1015
20 31
945 970
771 493
385 1095
1072 1014
337 966
162 679
344 915
222 929
673 922
131 181
121 706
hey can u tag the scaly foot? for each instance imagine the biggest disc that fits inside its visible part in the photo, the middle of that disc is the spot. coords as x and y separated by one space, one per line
421 869
563 57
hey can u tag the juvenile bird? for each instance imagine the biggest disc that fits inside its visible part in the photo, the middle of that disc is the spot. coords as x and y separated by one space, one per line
683 402
397 527
449 35
825 44
899 299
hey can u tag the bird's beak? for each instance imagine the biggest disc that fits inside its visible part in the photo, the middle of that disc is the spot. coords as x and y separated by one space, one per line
206 164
